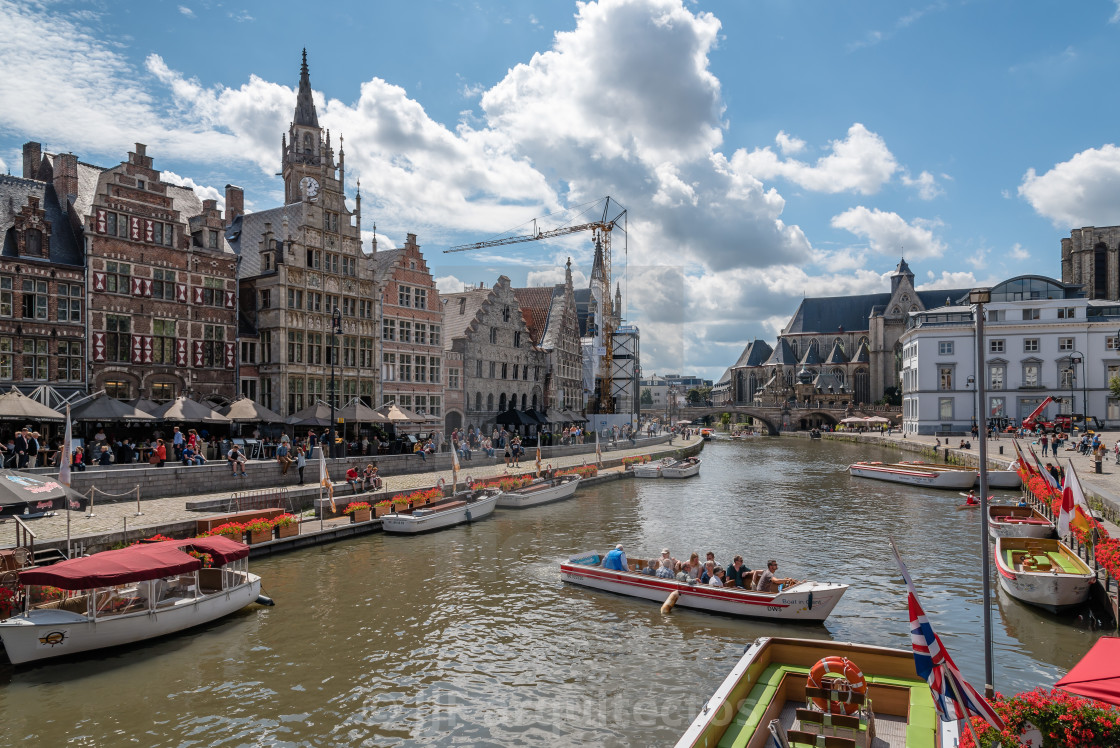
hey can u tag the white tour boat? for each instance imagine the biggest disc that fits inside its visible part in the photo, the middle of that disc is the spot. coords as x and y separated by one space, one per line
685 468
1007 479
652 469
1018 522
1042 572
126 596
804 601
540 492
914 475
465 506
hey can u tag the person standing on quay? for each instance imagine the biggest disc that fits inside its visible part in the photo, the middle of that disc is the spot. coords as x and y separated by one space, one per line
301 463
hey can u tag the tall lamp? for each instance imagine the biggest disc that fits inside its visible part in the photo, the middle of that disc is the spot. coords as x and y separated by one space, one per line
1076 358
336 330
978 297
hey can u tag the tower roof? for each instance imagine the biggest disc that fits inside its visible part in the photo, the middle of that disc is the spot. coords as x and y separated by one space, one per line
903 268
597 272
305 104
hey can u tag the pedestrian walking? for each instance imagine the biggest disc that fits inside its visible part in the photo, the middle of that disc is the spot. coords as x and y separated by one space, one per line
301 463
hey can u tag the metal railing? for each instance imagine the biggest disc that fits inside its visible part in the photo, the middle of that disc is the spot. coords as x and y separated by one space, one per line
25 537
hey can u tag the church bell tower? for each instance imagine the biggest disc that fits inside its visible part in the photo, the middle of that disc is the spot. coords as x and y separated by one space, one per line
306 158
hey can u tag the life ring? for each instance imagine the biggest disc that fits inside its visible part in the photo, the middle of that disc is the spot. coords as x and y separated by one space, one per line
470 482
440 484
850 681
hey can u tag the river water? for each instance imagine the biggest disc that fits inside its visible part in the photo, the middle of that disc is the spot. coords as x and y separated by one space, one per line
467 636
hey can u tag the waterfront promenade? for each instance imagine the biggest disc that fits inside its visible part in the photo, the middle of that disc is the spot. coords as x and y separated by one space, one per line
163 513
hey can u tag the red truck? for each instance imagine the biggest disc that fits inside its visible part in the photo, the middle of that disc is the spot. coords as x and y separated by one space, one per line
1031 422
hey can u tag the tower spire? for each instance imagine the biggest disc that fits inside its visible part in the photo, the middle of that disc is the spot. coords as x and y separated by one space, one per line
305 103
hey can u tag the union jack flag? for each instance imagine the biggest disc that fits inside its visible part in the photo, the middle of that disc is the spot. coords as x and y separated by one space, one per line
954 698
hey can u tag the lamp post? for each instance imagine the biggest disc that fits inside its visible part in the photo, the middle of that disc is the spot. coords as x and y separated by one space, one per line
1076 358
979 297
972 386
336 330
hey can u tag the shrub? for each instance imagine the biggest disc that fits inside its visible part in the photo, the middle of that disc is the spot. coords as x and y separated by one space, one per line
356 506
284 520
233 530
1063 719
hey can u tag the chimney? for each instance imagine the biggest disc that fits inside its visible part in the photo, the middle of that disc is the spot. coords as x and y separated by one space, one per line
208 206
235 203
66 177
32 157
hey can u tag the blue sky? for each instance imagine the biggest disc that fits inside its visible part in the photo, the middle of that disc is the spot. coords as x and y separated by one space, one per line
765 150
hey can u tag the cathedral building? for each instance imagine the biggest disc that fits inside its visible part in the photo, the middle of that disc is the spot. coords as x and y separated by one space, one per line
308 291
1091 259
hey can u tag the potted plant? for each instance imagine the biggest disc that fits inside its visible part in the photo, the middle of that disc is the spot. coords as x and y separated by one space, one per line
260 530
359 511
287 525
231 530
381 508
401 503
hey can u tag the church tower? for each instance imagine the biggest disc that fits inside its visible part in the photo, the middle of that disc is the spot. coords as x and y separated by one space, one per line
306 158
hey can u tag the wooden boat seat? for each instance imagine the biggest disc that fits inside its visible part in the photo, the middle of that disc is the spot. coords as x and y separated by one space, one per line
449 505
1063 563
830 694
802 739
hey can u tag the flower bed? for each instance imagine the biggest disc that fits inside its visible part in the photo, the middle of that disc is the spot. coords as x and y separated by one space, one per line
1107 553
1063 719
232 530
586 471
356 506
259 530
510 483
382 508
286 525
635 460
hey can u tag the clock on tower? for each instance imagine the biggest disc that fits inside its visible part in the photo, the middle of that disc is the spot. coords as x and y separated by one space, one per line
310 187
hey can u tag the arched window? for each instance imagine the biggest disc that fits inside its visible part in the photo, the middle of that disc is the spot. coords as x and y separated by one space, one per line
307 142
1100 271
523 402
502 402
478 401
490 402
534 401
838 342
838 373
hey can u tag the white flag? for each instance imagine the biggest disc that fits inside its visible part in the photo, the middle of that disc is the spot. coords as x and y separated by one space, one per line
454 468
325 478
66 458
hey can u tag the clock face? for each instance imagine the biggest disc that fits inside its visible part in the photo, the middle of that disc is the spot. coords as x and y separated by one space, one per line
309 186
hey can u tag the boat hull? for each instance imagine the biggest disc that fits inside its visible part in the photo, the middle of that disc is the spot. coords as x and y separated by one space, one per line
947 480
648 470
1037 527
808 602
682 469
1045 589
1003 479
408 524
45 634
526 499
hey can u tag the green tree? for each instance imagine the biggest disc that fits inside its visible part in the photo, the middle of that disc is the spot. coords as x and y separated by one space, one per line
892 396
647 396
724 419
694 397
1114 386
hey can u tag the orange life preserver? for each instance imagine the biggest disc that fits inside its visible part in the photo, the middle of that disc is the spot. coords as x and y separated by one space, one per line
852 676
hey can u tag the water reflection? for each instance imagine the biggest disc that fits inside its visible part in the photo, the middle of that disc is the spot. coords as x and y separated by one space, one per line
468 637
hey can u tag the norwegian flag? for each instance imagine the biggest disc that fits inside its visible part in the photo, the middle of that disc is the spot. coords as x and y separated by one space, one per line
954 698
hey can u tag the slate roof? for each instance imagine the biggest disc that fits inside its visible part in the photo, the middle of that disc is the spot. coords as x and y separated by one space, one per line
851 313
862 356
725 379
535 305
245 232
782 355
65 248
823 381
383 262
455 324
755 354
836 355
812 355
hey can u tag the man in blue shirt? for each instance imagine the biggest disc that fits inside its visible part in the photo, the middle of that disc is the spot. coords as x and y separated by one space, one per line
616 560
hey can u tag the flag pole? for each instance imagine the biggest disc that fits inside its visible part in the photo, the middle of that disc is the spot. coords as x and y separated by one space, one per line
967 719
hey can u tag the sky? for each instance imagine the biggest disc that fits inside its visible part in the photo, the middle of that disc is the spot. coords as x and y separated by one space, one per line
763 150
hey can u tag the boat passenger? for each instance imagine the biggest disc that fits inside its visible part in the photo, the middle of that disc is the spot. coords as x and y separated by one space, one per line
694 566
651 567
684 573
770 583
616 560
666 570
665 554
738 573
717 578
707 572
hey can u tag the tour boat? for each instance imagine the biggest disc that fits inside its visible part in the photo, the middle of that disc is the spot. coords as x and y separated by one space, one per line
1018 522
1042 572
914 475
651 469
126 596
1008 479
804 601
540 492
685 468
706 434
767 700
465 506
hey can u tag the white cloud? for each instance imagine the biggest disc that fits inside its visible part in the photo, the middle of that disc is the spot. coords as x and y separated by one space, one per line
553 275
1116 13
1018 252
204 192
888 233
947 279
788 144
449 284
1084 191
979 258
860 163
926 184
186 11
3 166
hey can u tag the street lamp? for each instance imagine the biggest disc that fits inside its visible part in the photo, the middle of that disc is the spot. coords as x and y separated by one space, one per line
336 330
1076 358
978 297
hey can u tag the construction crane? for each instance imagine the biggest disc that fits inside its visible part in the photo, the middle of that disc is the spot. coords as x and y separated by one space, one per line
601 233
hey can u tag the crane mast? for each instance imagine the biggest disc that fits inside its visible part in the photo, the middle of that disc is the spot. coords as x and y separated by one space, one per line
601 232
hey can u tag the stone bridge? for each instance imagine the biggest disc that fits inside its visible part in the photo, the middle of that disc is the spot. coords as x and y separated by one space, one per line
779 418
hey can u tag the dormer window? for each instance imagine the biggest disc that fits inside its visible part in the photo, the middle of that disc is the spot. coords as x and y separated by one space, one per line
139 184
33 242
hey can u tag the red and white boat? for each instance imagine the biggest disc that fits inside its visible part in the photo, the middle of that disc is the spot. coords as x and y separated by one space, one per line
804 601
1018 522
1042 572
914 475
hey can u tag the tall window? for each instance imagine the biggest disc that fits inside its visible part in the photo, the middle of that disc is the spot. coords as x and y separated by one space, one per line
406 331
118 389
315 348
117 275
420 298
389 329
6 358
314 301
34 299
6 296
118 338
349 350
435 376
365 357
1031 375
295 298
404 295
996 376
213 346
517 339
365 309
388 367
266 392
33 242
453 379
35 358
266 351
406 367
314 258
421 333
248 353
163 341
266 298
69 302
295 394
295 351
945 408
213 292
434 335
493 335
945 378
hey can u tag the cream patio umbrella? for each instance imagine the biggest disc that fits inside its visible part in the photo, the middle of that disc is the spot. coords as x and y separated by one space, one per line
16 406
245 410
184 410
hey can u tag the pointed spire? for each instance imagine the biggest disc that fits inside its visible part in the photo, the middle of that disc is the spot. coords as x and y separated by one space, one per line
597 273
374 242
568 273
305 104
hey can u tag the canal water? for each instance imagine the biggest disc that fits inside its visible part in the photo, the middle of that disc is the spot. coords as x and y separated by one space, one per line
467 636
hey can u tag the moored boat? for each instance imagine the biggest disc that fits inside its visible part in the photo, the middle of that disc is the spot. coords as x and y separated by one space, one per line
1008 479
884 702
126 596
465 506
1016 521
540 492
804 601
914 475
1042 572
685 468
652 469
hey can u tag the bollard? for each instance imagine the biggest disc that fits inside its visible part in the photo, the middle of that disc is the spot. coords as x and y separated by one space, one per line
1097 466
1001 449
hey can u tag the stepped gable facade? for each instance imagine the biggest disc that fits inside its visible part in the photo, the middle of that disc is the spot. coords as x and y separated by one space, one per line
162 312
412 355
502 367
837 350
552 318
42 277
300 262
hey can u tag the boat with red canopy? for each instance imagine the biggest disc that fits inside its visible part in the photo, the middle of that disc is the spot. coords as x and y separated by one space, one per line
125 596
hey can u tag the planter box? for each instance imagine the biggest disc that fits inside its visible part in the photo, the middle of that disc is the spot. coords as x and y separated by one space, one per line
381 511
260 537
362 515
288 531
402 507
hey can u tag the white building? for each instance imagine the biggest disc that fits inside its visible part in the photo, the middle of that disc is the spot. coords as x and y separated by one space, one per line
1041 338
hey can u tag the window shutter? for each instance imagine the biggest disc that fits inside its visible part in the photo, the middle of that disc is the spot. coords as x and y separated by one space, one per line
197 352
229 299
148 231
134 228
99 281
196 293
147 340
137 349
230 358
181 352
181 293
146 287
100 225
137 286
99 346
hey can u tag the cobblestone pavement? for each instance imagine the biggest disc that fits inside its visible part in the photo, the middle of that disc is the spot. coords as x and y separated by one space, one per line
109 518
